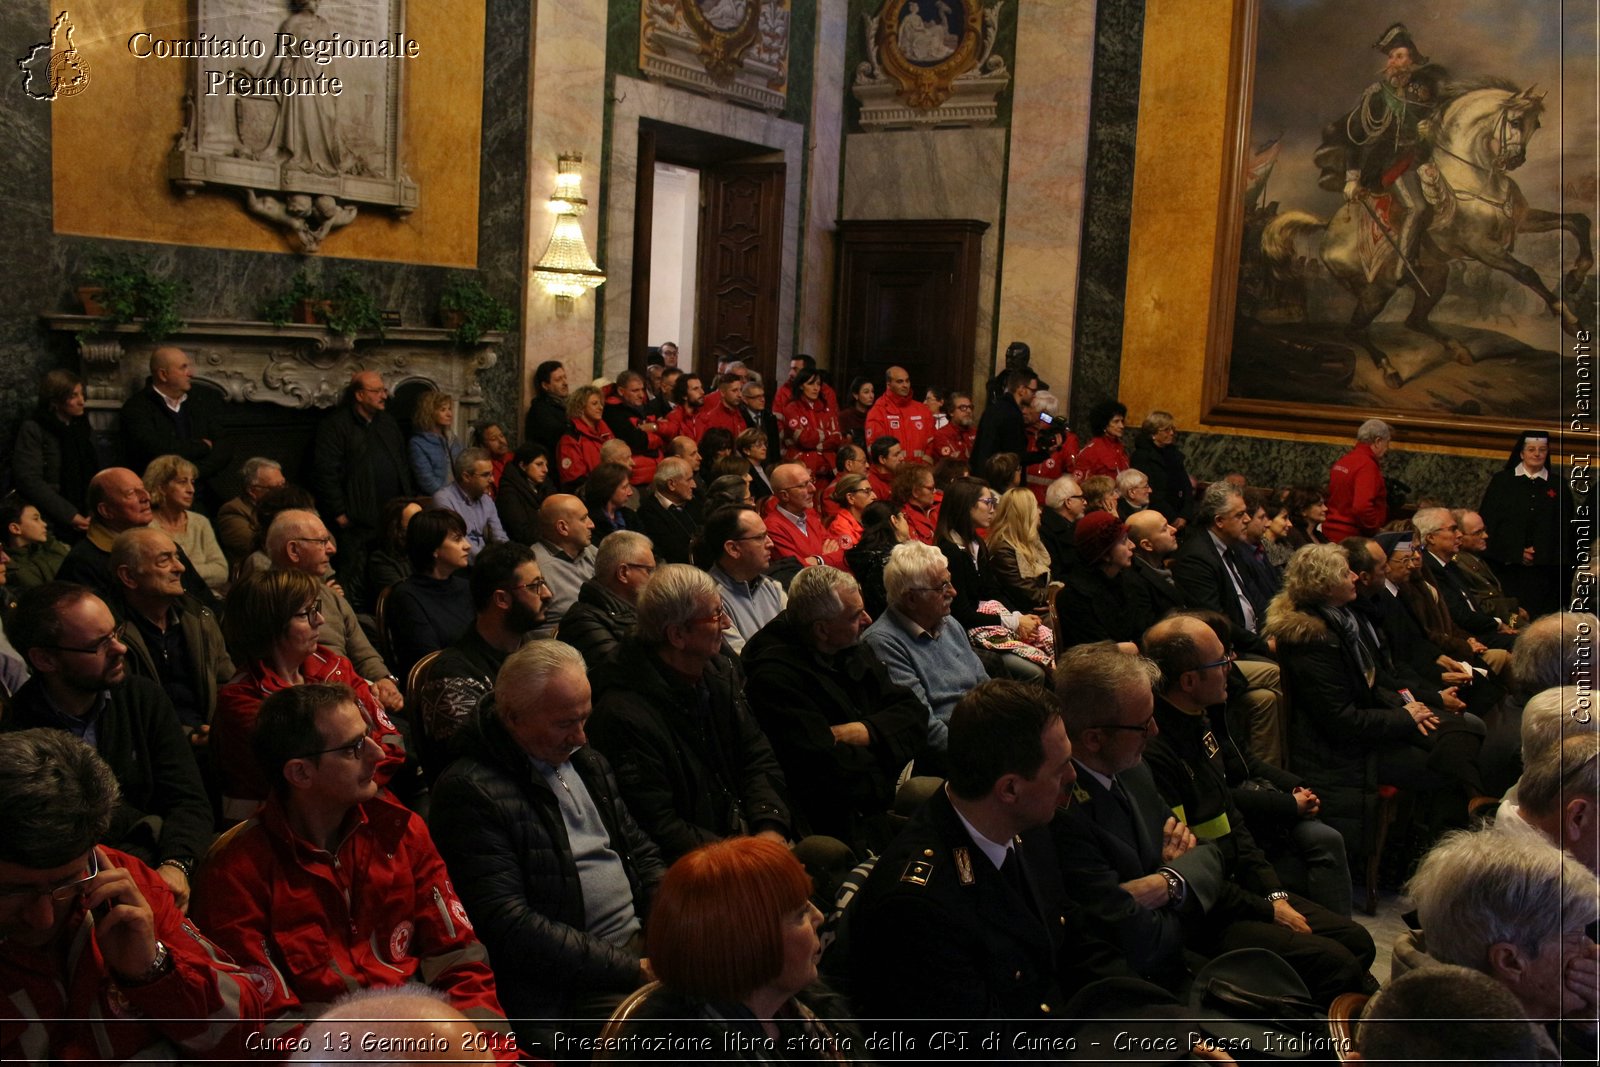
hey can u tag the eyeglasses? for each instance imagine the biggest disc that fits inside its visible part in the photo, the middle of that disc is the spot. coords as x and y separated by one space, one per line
538 585
942 587
990 500
863 489
801 485
311 615
646 567
719 618
100 647
350 750
61 890
1142 728
1223 662
325 541
762 536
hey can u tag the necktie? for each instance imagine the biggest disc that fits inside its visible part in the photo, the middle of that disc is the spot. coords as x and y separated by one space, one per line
1012 871
1238 587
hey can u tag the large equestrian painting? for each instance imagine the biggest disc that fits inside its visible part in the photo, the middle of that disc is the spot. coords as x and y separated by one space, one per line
1412 203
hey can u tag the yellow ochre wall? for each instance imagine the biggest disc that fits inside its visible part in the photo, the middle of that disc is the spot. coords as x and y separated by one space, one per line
110 143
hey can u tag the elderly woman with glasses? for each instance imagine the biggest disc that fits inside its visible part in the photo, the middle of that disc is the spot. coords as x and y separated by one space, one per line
271 623
1353 727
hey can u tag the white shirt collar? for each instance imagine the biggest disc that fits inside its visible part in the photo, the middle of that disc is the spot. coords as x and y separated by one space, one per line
995 850
1543 475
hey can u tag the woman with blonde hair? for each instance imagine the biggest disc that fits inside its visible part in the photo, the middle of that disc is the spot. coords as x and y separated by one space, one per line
170 482
433 447
1020 560
853 493
579 448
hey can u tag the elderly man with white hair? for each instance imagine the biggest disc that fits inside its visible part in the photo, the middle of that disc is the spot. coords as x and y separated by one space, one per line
923 650
841 728
1358 497
1133 492
554 872
1519 910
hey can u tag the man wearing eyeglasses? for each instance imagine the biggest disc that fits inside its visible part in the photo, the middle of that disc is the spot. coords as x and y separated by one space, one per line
329 885
117 501
96 962
604 613
509 596
956 438
1331 953
735 548
81 685
298 540
798 532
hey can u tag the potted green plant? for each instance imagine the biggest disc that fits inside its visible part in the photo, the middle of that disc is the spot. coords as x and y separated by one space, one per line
343 305
123 289
471 311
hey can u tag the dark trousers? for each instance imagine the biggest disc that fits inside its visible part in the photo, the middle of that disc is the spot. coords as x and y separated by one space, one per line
1334 958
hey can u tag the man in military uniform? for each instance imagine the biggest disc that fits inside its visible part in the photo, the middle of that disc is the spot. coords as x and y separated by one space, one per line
965 915
1381 141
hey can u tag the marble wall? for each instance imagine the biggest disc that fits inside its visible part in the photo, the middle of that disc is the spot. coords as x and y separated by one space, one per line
824 145
1044 185
41 270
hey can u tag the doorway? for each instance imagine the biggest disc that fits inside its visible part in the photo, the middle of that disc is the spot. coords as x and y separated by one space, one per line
708 248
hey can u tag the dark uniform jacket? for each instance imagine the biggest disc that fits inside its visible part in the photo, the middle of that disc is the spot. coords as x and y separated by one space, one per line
501 833
938 933
138 735
694 765
844 791
1103 843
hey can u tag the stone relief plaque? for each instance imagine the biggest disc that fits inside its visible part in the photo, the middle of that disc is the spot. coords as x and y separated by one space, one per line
735 49
931 63
297 105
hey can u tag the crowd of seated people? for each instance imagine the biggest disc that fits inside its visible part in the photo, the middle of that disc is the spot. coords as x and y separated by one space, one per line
542 725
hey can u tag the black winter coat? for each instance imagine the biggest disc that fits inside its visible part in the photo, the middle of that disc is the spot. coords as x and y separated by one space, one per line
52 466
545 423
671 532
694 765
1171 491
518 499
341 469
597 624
500 831
840 790
150 429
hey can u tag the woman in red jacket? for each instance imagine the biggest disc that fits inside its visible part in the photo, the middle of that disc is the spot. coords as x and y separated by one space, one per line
271 623
579 449
811 426
1105 454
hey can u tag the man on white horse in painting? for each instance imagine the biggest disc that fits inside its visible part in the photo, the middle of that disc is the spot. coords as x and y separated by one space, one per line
1383 144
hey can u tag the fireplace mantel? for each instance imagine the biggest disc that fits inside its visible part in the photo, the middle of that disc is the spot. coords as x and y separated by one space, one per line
293 366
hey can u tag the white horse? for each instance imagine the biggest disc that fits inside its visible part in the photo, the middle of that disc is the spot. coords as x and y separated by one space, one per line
1480 136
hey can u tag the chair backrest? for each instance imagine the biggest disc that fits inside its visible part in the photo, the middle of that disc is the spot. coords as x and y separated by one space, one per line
1051 592
1342 1016
385 642
418 673
630 1006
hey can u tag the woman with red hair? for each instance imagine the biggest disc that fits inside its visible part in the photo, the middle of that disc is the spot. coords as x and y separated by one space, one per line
733 939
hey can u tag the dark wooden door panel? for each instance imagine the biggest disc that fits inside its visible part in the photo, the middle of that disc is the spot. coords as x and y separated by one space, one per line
907 295
741 257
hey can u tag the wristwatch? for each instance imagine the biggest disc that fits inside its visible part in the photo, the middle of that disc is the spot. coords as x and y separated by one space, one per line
186 866
158 969
1175 886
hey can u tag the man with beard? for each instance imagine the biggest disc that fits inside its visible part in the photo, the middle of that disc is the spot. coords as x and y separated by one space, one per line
509 596
955 439
81 685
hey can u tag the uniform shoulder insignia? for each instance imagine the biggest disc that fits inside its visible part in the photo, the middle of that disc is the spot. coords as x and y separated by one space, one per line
1080 794
1209 741
918 871
963 860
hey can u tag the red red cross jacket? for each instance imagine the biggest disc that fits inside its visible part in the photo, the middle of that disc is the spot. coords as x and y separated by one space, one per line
907 421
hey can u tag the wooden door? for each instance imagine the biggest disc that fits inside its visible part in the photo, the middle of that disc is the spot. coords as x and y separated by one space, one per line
643 220
741 262
908 296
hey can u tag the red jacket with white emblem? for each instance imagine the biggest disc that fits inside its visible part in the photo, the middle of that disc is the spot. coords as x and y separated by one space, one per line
907 421
811 434
239 702
953 441
309 925
578 451
60 1006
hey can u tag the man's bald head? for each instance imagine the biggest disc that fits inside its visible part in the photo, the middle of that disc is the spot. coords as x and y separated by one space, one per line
564 521
788 475
170 371
117 499
412 1017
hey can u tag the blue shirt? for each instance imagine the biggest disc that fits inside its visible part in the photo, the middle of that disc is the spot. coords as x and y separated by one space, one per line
483 521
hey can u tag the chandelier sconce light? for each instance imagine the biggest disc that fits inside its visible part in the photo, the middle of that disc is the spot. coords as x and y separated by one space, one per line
566 270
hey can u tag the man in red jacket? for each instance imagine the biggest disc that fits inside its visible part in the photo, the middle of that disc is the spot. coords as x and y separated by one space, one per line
956 439
1358 497
96 961
897 415
725 410
332 885
796 529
